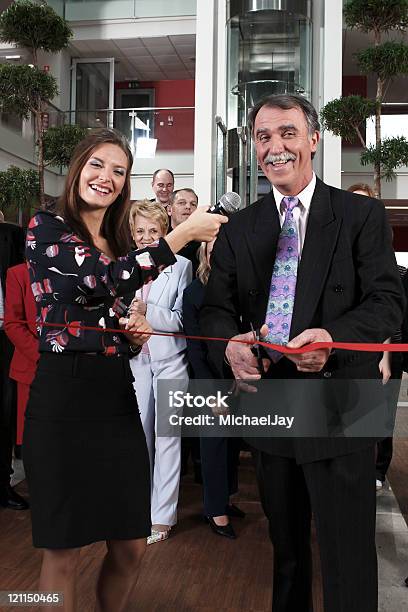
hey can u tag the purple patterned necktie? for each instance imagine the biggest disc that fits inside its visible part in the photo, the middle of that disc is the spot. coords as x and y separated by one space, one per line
283 282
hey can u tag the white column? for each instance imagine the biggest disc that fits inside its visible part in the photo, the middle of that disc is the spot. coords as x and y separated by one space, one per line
332 85
205 99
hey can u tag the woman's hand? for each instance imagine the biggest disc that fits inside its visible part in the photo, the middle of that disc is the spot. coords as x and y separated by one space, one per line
200 226
138 329
138 306
203 225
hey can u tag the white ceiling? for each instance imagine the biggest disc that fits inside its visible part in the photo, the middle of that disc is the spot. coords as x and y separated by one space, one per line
145 59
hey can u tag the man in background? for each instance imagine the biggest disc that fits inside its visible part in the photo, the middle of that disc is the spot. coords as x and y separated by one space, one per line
163 185
181 204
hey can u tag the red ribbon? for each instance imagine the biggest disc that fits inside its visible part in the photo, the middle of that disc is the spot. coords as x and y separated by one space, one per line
346 346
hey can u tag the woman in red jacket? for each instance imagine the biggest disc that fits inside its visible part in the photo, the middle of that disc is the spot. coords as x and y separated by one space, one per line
20 307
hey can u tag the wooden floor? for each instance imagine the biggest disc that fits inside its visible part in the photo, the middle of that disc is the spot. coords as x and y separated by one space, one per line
193 571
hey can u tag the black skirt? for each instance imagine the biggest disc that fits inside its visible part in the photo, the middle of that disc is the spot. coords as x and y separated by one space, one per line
85 452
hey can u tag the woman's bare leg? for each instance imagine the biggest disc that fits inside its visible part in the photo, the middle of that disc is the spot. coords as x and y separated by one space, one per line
118 575
58 575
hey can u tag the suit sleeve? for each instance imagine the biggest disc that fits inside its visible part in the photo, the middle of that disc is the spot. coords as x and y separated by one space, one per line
170 319
219 315
18 332
381 301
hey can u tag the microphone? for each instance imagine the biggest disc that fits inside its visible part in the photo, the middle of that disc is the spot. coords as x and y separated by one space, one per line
228 204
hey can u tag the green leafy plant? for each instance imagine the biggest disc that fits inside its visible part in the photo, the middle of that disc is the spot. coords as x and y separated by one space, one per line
345 116
60 142
26 89
35 26
18 190
386 60
391 153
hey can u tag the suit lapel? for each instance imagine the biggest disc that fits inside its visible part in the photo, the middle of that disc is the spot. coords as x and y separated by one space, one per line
320 242
262 240
159 285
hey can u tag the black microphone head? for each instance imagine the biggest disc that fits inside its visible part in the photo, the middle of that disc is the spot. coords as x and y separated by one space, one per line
230 202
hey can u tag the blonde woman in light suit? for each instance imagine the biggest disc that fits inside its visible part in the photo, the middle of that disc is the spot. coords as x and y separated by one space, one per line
161 358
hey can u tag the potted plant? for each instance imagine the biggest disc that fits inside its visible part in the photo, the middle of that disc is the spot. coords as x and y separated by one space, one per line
345 116
25 89
19 190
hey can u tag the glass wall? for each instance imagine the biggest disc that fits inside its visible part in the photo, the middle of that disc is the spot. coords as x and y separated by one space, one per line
269 51
85 10
158 137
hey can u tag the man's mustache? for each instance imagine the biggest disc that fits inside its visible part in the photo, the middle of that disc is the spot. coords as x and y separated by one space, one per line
282 157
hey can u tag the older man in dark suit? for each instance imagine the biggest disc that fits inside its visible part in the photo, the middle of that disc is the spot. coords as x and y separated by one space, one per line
11 253
307 263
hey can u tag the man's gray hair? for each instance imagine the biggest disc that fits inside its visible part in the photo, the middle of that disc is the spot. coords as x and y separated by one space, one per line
286 102
174 194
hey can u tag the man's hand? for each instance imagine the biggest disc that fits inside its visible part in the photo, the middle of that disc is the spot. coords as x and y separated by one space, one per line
243 362
385 367
315 360
138 329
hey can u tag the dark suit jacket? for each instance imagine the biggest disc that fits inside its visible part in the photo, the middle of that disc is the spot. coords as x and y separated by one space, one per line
347 283
196 349
11 248
20 306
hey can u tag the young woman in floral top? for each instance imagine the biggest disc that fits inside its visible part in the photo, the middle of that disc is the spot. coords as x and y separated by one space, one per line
84 449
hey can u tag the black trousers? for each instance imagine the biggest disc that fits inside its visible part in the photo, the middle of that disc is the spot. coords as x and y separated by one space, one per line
340 492
219 467
8 409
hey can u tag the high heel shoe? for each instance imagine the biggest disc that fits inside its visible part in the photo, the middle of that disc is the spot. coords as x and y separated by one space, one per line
223 530
158 536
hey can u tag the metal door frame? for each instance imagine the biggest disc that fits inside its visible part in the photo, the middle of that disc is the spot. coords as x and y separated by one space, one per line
94 60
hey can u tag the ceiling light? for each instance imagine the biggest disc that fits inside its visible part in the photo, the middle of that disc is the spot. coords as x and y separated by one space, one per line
13 57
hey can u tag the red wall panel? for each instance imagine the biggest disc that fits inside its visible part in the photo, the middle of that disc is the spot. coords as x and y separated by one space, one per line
180 135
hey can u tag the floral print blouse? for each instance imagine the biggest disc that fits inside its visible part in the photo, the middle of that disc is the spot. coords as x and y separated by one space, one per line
74 284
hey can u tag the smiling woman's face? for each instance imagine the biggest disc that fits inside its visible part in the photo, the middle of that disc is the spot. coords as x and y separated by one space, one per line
146 231
103 176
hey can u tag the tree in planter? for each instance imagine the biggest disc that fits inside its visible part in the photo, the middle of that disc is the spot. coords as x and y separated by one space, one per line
346 116
18 190
27 89
60 142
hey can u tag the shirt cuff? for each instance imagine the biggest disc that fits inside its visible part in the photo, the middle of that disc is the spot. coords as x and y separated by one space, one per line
162 255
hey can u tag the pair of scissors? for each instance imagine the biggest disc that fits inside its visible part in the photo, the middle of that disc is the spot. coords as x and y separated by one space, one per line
256 349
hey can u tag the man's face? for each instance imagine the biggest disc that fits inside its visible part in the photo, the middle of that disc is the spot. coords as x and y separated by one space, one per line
183 205
162 186
284 147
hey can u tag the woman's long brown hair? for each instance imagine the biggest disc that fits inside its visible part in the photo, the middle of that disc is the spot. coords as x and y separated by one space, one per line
115 226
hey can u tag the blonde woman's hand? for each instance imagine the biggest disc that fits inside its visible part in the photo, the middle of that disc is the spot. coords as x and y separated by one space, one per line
137 306
138 330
